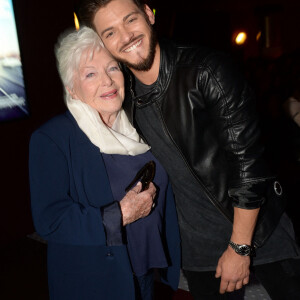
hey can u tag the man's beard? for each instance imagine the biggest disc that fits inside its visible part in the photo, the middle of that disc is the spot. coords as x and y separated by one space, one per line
145 64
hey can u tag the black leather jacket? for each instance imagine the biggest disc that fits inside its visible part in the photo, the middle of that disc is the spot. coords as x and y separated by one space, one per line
209 112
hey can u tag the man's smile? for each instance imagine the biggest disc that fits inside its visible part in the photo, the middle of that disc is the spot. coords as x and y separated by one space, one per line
133 46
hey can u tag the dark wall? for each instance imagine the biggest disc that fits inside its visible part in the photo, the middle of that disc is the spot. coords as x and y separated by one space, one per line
39 24
213 22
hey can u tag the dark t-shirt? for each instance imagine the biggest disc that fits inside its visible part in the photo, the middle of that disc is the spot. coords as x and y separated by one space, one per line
205 232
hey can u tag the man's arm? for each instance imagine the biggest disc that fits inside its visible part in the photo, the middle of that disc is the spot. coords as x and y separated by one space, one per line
232 105
232 267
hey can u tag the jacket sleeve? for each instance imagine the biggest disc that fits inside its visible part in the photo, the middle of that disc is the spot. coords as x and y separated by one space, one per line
232 107
57 212
112 222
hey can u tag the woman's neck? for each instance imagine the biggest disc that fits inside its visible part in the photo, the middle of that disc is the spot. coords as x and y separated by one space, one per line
109 119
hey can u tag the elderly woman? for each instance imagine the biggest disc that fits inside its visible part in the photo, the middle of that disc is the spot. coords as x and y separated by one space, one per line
103 242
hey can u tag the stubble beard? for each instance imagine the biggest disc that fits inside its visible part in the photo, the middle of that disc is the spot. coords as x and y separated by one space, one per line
145 64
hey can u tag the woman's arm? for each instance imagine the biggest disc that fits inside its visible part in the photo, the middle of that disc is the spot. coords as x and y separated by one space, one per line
133 206
136 204
57 212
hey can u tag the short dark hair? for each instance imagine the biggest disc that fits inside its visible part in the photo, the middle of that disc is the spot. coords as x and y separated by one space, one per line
89 8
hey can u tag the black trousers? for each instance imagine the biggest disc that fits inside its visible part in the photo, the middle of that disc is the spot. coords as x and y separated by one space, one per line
280 279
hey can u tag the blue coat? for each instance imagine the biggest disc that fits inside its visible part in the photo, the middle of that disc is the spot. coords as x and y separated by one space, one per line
69 183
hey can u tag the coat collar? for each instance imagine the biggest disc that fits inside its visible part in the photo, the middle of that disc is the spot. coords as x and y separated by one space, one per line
91 179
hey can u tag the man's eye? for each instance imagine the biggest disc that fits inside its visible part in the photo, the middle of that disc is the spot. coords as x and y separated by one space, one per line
131 20
109 34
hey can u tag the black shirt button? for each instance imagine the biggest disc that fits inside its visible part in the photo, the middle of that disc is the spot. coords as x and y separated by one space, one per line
139 101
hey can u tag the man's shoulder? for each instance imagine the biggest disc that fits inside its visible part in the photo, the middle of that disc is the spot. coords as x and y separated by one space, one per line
196 55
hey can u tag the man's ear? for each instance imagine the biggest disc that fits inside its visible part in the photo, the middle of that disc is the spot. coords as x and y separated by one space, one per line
150 14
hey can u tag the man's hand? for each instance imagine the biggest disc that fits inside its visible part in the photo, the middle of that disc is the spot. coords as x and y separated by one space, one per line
232 267
233 270
137 204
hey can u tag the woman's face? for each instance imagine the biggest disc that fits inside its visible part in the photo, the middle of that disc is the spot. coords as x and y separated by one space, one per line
99 83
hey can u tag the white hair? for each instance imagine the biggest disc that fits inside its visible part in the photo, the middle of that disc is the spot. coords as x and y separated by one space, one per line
69 50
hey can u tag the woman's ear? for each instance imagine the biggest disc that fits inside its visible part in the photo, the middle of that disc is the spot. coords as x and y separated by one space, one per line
72 93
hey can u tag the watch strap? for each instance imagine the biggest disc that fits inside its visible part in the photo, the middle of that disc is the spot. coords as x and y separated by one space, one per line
242 249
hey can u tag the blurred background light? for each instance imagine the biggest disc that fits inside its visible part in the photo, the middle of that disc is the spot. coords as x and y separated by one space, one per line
77 26
241 38
258 36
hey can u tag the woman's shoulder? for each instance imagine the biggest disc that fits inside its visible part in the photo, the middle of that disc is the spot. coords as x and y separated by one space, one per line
59 124
59 128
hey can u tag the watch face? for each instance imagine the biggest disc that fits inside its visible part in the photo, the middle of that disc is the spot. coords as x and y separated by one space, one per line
244 250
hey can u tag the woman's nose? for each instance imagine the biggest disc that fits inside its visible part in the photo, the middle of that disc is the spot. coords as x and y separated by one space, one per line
106 80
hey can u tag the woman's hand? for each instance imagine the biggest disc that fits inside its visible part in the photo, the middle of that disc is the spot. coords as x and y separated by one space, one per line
137 204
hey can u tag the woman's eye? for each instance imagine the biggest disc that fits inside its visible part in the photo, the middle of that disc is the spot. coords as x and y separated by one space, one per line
90 75
114 68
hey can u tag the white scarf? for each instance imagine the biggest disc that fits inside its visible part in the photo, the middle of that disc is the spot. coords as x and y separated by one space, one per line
122 138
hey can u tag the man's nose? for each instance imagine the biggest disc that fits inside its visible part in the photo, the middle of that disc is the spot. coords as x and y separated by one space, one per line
126 35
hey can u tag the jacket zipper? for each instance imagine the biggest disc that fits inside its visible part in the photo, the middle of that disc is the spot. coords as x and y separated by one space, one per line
215 204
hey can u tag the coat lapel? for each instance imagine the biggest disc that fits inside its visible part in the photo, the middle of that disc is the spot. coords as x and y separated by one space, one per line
89 171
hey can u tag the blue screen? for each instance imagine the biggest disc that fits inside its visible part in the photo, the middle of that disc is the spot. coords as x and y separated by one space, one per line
13 100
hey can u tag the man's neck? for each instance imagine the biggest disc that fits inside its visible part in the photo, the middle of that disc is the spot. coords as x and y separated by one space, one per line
149 77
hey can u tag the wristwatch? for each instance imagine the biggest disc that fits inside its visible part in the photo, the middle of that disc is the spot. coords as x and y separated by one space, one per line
244 250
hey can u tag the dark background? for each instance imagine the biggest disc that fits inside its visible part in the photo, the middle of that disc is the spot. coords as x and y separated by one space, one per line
270 65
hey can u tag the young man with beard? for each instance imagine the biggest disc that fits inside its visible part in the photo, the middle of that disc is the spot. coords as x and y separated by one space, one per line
197 113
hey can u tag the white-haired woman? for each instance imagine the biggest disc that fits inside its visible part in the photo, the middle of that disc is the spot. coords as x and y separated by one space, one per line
103 242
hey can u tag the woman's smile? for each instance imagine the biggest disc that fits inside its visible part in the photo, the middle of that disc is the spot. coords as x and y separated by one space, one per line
110 95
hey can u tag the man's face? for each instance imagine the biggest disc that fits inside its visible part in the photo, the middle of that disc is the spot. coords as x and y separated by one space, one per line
127 33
